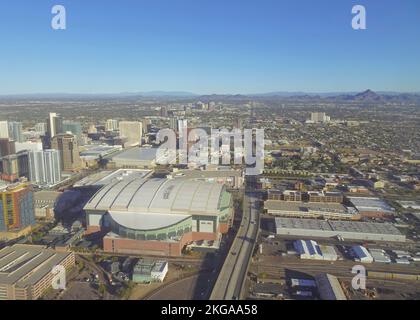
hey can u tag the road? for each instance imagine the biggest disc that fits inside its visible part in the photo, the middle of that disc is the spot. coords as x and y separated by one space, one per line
195 287
232 275
104 277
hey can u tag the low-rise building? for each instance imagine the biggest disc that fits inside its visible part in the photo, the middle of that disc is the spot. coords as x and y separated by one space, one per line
26 271
311 250
371 207
44 204
310 210
292 195
364 231
325 197
147 271
135 158
415 205
361 254
380 256
329 287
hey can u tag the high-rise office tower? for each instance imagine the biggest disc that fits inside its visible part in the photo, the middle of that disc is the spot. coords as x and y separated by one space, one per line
146 123
41 128
173 123
182 127
7 147
54 125
319 117
111 125
15 131
132 131
164 112
73 127
4 130
17 209
68 147
45 167
23 163
10 168
15 166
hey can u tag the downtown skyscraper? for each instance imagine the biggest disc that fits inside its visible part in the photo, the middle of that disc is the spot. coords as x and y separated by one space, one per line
68 148
54 125
132 131
45 167
15 131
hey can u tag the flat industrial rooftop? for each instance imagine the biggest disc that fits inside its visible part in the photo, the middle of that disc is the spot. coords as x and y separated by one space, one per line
107 177
25 265
340 226
305 206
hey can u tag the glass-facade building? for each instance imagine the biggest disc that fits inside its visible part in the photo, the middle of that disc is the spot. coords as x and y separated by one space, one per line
17 209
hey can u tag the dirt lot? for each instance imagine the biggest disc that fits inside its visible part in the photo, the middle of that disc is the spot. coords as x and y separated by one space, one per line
140 291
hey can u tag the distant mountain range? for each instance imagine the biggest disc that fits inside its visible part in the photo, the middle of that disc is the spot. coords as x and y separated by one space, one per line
160 94
367 96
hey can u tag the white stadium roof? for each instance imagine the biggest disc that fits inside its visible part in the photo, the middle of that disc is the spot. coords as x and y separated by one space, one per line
174 196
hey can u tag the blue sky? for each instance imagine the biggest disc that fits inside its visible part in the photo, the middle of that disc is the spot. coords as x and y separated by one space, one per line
209 46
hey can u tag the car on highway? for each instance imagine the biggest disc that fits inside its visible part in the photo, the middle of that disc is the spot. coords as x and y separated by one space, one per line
234 253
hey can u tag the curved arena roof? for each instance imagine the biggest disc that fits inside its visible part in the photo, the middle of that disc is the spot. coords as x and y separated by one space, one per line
165 196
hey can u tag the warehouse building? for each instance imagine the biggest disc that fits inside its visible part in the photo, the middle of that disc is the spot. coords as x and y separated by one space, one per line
310 210
26 270
311 250
361 254
365 231
329 287
371 207
158 216
379 255
415 205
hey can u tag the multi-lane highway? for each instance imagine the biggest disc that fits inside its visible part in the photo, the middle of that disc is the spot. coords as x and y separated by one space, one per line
233 273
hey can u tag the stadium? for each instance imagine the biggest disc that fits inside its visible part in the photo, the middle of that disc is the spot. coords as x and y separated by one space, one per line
158 216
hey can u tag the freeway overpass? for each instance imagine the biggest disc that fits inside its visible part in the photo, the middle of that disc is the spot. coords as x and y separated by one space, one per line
229 283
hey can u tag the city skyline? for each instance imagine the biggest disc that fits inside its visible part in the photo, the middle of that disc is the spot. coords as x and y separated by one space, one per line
237 152
238 48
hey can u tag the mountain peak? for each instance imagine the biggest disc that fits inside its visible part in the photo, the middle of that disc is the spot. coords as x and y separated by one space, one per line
367 95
